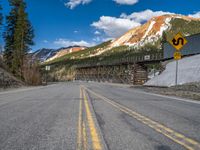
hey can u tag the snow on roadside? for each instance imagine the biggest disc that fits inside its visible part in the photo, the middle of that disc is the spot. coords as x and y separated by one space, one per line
189 71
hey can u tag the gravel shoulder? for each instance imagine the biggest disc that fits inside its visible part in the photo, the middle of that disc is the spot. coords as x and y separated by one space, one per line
189 91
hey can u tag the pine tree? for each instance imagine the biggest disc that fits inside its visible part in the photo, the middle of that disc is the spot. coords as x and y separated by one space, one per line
8 36
19 37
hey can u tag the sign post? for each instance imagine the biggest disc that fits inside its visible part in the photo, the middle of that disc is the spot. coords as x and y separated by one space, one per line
177 57
177 42
47 68
176 78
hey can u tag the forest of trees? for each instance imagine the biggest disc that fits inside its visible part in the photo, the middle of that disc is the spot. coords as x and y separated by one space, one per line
18 37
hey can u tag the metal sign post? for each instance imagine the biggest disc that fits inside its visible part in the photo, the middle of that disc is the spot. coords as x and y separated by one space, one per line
177 56
47 68
177 42
176 75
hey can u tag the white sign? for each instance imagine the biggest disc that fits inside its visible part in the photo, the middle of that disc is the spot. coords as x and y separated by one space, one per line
147 57
48 68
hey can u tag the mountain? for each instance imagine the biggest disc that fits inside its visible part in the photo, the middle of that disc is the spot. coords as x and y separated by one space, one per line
152 31
63 51
45 54
147 37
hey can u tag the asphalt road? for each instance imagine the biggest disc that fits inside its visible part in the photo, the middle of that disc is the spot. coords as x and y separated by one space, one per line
94 116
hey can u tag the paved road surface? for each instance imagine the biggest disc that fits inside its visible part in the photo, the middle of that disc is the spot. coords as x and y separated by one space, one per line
94 116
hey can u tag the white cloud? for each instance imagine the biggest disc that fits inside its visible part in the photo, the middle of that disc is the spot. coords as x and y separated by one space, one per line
97 39
97 33
196 15
45 41
73 3
126 2
143 15
65 43
114 27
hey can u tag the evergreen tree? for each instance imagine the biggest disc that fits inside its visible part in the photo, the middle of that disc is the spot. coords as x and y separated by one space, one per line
19 37
8 35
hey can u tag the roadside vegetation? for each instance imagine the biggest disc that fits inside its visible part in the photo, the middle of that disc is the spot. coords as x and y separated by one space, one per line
18 36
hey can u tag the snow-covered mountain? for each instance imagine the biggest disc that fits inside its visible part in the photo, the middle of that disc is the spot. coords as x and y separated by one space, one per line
45 54
63 51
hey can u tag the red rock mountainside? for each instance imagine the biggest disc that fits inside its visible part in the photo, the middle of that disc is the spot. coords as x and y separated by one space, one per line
150 32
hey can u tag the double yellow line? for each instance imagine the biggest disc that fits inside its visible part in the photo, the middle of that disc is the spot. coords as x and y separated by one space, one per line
82 139
179 138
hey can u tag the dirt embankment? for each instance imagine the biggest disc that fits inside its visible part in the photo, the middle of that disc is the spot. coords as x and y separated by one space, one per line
7 80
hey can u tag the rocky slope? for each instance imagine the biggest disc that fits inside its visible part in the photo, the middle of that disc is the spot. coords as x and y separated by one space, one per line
63 51
7 80
153 30
44 54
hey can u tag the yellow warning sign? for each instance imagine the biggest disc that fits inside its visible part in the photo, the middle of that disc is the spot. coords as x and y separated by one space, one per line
178 41
177 55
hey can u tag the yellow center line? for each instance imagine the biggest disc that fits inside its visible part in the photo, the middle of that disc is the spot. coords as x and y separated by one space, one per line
188 143
79 139
93 131
84 137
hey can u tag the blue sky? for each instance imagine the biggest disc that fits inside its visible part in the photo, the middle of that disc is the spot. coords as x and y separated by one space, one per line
59 23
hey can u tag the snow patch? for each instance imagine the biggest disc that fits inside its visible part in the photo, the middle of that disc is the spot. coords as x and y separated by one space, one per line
164 27
189 71
149 29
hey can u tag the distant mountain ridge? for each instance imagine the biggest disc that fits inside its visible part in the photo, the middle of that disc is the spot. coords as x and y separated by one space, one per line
46 54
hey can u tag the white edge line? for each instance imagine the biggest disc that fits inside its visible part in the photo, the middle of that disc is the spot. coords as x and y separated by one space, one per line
169 97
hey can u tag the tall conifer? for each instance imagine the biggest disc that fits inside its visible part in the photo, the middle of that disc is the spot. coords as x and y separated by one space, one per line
18 37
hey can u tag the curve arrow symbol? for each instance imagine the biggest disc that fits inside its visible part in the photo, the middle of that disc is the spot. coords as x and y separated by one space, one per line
178 41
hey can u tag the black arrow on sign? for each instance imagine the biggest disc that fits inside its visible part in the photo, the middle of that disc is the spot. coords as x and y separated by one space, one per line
178 41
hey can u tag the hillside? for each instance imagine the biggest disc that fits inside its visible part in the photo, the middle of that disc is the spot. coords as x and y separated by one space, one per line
152 31
86 53
7 80
46 55
147 37
63 51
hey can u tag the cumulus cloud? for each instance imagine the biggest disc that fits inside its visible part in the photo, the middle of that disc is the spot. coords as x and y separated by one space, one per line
143 15
126 2
65 43
73 3
114 27
196 15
